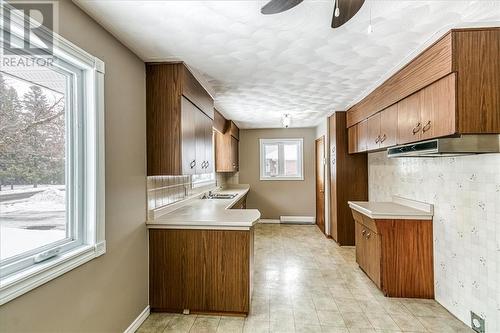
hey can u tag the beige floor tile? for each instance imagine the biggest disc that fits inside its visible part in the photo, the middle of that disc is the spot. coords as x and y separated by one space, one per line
205 324
256 326
156 322
408 323
331 318
361 330
382 321
305 316
325 302
180 324
356 320
281 313
333 329
230 325
307 328
348 305
282 326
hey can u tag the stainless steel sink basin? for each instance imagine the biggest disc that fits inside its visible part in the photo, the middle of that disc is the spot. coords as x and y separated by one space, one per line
222 196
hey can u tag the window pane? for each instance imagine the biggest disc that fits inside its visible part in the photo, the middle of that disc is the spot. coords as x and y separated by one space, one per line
271 160
291 157
32 160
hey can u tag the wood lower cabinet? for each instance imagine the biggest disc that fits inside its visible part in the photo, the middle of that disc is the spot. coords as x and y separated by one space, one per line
397 255
240 204
204 271
178 121
348 181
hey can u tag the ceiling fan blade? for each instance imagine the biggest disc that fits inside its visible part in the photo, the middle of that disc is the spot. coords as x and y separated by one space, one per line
346 10
278 6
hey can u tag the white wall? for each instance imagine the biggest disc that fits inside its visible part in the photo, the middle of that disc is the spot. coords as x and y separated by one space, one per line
465 192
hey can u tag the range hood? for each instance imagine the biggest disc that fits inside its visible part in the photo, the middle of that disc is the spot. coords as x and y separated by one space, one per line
453 146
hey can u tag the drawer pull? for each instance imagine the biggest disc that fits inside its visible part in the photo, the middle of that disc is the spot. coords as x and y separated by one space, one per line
417 128
426 127
363 232
377 140
368 235
383 138
192 164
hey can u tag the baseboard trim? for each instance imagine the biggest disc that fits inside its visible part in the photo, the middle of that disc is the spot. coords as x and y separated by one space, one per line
298 219
138 321
269 221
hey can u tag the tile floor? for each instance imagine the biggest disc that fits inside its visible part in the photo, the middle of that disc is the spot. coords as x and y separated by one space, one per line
305 282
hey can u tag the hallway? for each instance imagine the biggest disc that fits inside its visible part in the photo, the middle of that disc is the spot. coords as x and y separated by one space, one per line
304 282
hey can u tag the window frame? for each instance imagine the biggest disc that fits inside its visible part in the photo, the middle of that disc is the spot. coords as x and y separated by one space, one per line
86 178
279 141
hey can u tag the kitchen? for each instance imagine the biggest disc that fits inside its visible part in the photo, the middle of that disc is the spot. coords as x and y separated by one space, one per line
254 182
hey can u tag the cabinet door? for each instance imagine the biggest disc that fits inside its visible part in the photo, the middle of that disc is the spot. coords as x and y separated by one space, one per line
200 123
352 139
360 245
234 154
438 108
188 137
362 135
373 141
223 162
409 124
389 126
372 255
209 145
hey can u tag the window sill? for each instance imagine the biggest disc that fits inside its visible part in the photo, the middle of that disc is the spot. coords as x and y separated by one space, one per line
282 178
17 284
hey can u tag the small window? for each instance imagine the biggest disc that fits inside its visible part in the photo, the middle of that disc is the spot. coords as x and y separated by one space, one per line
51 163
281 159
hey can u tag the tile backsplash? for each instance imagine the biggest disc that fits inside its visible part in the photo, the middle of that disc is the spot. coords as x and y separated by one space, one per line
465 192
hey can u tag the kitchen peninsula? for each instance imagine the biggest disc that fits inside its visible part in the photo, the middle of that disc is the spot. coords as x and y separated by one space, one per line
201 256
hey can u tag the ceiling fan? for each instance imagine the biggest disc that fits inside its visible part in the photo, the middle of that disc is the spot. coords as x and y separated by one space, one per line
343 11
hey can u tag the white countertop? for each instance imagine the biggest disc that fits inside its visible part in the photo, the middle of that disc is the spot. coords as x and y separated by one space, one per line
399 208
214 214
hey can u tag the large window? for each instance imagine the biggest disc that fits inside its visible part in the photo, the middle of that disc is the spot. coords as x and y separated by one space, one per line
281 159
51 164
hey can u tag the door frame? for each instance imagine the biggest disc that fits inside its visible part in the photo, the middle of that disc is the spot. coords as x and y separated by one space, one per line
320 141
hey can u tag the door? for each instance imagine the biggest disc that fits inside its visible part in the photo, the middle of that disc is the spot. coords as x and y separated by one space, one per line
188 136
389 126
320 183
409 124
438 108
374 132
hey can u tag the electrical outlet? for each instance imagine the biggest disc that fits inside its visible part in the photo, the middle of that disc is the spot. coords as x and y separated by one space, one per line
477 323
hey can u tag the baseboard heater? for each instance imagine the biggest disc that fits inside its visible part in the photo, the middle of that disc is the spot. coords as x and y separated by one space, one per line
298 219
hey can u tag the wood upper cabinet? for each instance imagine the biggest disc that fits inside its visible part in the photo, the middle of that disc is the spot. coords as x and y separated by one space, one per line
221 124
438 108
373 139
178 122
234 130
389 126
452 87
409 123
226 152
363 136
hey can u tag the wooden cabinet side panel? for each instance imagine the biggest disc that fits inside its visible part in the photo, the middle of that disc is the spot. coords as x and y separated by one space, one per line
234 130
333 177
432 64
407 258
163 110
200 270
196 93
221 124
222 155
351 178
234 156
352 139
477 62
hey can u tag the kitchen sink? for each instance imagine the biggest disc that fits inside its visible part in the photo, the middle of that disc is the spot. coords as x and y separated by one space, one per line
221 196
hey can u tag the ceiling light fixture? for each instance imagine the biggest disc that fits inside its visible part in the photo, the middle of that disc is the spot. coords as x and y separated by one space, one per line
337 9
286 120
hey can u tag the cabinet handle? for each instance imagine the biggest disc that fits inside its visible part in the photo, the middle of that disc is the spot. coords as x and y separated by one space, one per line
368 235
417 128
377 140
383 138
207 165
192 164
203 165
363 232
426 127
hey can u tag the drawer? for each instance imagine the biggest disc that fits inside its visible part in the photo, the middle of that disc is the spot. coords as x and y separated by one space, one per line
365 220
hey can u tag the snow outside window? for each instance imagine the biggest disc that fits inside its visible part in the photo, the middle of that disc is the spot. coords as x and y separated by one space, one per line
51 165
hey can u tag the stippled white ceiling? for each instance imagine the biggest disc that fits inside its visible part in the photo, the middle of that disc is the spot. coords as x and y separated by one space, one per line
262 67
